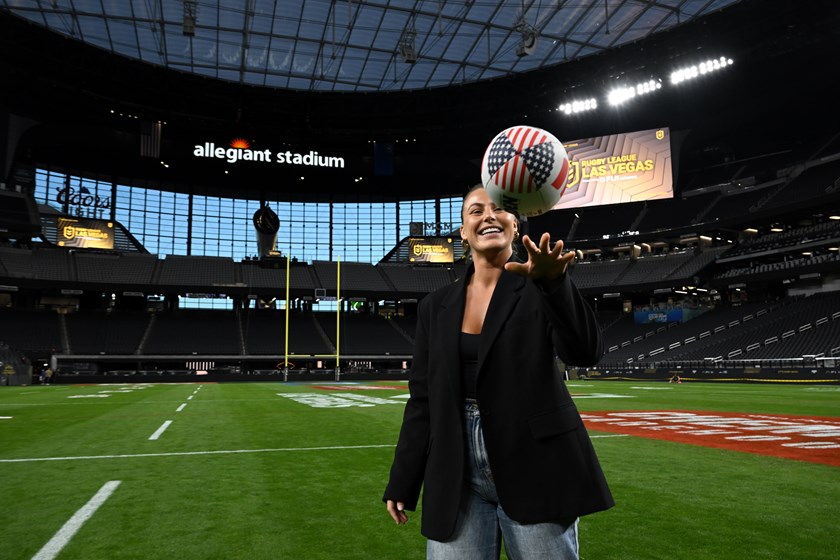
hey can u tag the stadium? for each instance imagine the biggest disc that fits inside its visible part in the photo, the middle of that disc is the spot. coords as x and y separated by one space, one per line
199 194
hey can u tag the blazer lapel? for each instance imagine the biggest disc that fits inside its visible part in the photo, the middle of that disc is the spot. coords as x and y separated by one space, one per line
504 300
449 335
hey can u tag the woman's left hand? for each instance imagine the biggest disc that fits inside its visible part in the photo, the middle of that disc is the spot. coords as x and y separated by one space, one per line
544 262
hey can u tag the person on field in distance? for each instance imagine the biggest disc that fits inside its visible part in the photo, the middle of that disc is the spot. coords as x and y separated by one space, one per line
490 431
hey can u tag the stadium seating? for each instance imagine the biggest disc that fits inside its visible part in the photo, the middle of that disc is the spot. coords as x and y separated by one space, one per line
196 271
193 332
101 332
793 328
673 214
124 268
365 334
613 219
634 347
34 332
264 331
16 262
356 277
416 279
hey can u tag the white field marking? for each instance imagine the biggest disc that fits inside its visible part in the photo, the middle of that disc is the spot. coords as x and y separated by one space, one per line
609 435
190 453
160 430
654 388
577 385
405 396
189 398
814 445
60 539
602 396
6 417
180 408
88 396
137 385
337 400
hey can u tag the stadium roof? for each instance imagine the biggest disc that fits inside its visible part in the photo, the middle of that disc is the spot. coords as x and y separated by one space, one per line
85 105
359 46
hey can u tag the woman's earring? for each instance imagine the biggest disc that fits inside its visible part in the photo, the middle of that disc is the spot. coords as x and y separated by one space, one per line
465 244
515 235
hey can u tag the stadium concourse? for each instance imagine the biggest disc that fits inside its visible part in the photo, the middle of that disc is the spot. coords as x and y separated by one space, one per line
168 216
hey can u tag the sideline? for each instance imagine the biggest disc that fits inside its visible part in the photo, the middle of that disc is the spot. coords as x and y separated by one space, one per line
63 536
190 453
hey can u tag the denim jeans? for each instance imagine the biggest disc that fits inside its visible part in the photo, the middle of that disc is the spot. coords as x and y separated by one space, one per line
482 523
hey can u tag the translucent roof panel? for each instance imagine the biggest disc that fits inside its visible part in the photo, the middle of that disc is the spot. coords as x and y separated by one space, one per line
354 45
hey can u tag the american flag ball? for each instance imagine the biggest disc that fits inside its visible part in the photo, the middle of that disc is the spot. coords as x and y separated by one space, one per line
524 170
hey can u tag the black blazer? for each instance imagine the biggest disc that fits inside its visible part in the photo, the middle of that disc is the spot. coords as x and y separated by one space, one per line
542 459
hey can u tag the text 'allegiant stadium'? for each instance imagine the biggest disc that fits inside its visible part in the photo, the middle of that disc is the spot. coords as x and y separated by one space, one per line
233 155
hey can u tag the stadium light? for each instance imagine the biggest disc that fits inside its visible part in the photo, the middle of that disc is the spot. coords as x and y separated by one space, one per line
572 107
190 16
406 47
619 95
528 42
701 69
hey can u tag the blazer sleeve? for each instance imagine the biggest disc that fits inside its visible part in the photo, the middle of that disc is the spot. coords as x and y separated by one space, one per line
575 330
408 468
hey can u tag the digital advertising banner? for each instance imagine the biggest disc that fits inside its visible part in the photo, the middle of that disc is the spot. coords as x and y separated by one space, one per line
658 316
430 250
85 233
629 167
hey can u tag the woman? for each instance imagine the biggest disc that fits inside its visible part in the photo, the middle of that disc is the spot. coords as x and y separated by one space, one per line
490 431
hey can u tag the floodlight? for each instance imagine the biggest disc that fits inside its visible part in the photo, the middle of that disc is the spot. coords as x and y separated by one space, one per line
578 106
696 70
623 93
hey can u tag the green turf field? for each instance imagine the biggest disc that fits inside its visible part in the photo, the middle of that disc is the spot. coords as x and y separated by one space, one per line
272 470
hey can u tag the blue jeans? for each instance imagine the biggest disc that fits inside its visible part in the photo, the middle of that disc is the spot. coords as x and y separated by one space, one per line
482 523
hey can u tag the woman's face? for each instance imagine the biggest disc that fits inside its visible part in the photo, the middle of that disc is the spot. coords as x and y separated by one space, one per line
486 227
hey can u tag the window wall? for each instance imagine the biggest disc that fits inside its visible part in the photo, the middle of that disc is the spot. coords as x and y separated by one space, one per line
168 223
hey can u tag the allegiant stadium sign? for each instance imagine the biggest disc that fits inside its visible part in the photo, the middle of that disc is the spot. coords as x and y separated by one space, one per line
240 150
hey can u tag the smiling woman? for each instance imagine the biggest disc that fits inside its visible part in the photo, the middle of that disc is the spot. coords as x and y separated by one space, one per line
487 404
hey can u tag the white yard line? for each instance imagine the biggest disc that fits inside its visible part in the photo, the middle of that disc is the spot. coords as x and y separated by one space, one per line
60 539
160 430
180 408
189 453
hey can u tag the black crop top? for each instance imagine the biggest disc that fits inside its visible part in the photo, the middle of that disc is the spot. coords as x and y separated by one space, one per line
469 364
